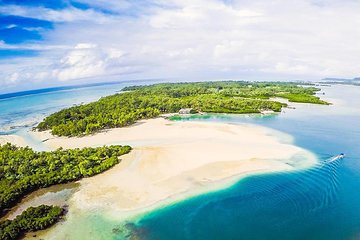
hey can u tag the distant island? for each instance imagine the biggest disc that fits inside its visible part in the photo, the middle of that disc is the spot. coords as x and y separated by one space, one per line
144 102
352 81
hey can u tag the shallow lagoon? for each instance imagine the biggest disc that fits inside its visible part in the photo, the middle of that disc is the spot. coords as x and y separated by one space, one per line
319 203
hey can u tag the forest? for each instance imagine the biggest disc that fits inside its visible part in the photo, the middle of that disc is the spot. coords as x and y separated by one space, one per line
32 219
143 102
23 170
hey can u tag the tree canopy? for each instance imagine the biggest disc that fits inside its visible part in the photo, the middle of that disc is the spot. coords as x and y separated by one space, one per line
23 170
32 219
142 102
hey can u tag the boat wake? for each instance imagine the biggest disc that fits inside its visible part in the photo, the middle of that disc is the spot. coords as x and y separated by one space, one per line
305 192
279 200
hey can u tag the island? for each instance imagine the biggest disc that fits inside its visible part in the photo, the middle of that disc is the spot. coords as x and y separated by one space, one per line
170 160
143 102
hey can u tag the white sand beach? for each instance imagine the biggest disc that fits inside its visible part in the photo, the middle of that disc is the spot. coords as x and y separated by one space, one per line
171 161
172 158
14 139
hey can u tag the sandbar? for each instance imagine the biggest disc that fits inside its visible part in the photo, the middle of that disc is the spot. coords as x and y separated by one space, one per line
172 159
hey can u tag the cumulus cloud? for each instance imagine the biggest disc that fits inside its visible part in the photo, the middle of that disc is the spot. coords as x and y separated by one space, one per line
64 15
86 60
239 39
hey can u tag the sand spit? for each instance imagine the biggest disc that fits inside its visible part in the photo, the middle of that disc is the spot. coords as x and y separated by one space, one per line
173 158
171 161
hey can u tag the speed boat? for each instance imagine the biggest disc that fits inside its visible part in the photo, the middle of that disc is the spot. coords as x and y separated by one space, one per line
335 158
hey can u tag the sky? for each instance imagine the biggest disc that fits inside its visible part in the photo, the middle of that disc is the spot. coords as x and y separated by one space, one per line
63 42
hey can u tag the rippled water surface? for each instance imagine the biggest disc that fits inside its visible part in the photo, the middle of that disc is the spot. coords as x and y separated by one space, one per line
320 203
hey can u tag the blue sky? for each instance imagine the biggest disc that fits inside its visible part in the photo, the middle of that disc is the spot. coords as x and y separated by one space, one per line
62 42
15 29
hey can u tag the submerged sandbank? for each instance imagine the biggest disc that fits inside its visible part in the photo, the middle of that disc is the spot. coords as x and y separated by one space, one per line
171 158
172 161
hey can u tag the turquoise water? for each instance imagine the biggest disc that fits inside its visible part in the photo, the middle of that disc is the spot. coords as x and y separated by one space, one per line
19 113
320 203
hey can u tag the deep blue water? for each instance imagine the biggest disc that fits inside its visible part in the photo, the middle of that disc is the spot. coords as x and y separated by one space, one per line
321 203
53 89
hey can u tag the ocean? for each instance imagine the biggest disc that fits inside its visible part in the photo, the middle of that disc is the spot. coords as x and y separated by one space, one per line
21 111
319 203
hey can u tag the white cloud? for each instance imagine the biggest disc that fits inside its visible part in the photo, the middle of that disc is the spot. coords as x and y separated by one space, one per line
13 77
11 26
64 15
32 46
283 39
81 61
113 6
85 60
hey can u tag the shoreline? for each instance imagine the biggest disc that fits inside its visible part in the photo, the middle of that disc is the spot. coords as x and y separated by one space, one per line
163 170
13 139
53 195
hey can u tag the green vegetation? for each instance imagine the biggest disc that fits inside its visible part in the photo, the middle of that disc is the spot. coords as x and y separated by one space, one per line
22 170
302 98
142 102
32 219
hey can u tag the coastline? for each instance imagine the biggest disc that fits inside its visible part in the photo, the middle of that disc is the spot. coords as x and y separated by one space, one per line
13 139
163 169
